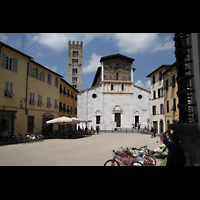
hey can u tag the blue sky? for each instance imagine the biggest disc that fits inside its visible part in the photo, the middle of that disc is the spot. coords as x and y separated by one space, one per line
150 50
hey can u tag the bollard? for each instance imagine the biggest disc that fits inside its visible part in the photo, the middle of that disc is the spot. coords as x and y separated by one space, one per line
126 130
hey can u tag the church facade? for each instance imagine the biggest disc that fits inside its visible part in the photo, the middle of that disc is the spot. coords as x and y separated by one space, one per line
113 100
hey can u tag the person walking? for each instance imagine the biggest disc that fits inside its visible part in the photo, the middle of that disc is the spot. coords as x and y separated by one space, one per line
97 129
152 132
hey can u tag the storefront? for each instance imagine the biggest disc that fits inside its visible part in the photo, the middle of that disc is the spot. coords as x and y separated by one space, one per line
7 119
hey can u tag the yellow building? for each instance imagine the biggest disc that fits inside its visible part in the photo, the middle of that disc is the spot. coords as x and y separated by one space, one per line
68 100
29 94
170 94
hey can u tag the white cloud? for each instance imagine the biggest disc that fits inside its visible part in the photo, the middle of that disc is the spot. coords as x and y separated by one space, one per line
142 42
52 68
59 41
93 64
146 86
126 42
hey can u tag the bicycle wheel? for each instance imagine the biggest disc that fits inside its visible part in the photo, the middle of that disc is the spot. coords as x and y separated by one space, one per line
136 163
111 163
151 159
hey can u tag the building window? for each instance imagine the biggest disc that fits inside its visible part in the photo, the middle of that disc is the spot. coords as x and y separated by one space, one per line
32 99
154 110
68 109
61 89
153 79
74 61
75 53
112 87
68 95
9 63
122 87
154 94
72 96
160 75
74 71
75 111
167 106
161 109
64 91
56 104
32 71
56 82
160 92
64 108
139 96
8 89
60 107
39 75
94 96
166 85
173 81
174 105
74 85
97 119
40 103
49 102
49 79
74 79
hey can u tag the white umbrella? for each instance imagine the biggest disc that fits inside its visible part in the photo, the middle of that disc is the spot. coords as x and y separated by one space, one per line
60 120
75 120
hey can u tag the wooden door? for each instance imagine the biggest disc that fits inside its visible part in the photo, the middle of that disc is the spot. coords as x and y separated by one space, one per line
118 119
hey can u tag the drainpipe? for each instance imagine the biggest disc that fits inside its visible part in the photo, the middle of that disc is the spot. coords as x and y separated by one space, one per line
26 109
165 123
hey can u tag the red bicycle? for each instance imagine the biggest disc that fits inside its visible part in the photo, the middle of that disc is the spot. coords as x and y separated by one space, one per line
122 159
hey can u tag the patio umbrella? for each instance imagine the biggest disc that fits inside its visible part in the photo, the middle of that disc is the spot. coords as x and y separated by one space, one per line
60 120
75 120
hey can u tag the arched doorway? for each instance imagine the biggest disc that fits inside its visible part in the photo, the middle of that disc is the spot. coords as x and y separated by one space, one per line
117 111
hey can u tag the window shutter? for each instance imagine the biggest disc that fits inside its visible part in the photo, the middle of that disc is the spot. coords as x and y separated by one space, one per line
36 73
15 64
43 76
3 61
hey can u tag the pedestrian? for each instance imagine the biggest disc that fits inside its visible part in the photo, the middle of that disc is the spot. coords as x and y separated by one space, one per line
138 128
152 132
97 128
175 155
92 130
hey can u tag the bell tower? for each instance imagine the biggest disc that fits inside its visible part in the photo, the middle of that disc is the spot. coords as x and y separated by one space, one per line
75 54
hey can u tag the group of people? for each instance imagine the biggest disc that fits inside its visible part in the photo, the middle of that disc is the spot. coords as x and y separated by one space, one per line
136 126
87 130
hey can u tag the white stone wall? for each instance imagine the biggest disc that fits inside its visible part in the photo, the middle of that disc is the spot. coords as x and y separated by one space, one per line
103 105
142 107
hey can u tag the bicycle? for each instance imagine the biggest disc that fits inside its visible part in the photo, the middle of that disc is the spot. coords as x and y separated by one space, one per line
121 159
145 153
138 157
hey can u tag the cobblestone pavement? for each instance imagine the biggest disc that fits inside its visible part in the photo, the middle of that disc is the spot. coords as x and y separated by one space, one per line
93 151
